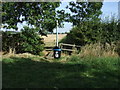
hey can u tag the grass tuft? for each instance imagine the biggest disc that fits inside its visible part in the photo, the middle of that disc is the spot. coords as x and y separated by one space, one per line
99 50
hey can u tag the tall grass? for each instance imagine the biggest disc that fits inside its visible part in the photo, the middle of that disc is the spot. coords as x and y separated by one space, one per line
98 56
101 63
99 50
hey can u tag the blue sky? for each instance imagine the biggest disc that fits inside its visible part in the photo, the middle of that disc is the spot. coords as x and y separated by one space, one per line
108 9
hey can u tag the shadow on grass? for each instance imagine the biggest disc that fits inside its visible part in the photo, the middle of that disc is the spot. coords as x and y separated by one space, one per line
26 73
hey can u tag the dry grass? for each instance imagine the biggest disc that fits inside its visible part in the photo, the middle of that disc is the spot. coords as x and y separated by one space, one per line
24 55
51 39
98 50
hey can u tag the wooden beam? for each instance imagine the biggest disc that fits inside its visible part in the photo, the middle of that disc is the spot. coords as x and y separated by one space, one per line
69 45
67 50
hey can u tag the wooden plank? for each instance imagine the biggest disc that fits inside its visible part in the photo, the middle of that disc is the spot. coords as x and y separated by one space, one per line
68 50
63 44
48 49
62 50
78 46
67 44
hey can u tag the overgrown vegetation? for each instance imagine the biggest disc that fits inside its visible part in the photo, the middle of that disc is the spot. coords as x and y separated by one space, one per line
44 18
21 42
99 50
95 66
94 31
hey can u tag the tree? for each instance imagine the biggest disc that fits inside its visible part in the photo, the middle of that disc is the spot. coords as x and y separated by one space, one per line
42 15
94 31
10 41
86 32
85 18
30 41
110 31
21 42
84 11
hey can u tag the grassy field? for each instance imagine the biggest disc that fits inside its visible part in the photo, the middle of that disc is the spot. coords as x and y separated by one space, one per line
51 39
67 72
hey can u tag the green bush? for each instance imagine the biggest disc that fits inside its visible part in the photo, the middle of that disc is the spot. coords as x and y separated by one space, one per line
27 40
94 31
30 41
86 32
110 31
10 40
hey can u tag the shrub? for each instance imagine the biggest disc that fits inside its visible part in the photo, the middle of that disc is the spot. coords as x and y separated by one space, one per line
30 42
94 31
86 32
25 41
10 40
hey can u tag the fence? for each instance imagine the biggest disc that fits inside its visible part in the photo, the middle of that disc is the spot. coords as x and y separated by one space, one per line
69 48
66 48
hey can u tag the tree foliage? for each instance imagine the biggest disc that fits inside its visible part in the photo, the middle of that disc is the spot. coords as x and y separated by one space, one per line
30 41
94 31
84 11
10 40
21 42
42 15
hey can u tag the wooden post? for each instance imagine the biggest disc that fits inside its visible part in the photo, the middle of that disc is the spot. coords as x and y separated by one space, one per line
10 50
74 49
